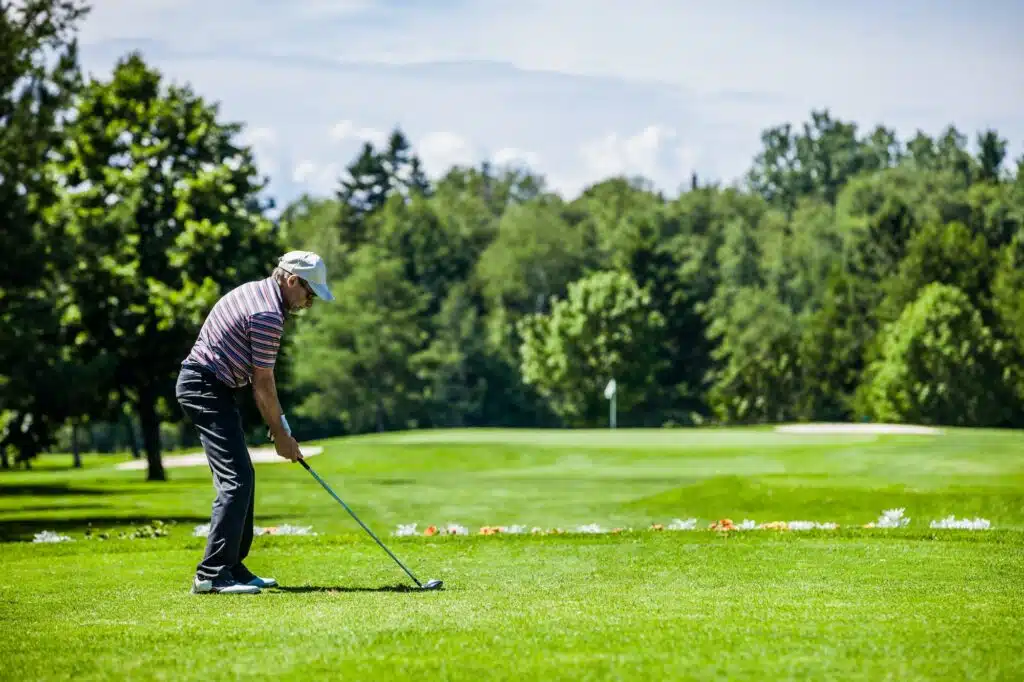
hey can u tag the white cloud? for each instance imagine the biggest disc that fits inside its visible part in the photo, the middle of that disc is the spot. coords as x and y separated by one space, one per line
529 79
510 156
303 172
318 179
439 151
333 8
265 148
342 131
655 153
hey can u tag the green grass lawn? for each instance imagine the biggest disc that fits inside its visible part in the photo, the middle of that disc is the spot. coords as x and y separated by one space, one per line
852 603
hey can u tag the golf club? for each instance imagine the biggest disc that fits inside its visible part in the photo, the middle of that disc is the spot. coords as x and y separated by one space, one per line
431 585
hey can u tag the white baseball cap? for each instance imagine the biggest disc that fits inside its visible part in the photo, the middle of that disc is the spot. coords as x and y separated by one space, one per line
311 268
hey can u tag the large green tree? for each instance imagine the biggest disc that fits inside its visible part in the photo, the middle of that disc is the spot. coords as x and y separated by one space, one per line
43 382
161 207
358 359
818 159
941 364
373 177
603 329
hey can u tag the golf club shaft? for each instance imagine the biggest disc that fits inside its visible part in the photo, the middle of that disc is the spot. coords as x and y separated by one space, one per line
328 489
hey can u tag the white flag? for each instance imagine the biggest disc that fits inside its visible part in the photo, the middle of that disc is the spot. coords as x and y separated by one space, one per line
609 390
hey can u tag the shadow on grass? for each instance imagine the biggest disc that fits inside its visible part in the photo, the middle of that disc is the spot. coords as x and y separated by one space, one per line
54 489
18 530
55 507
303 589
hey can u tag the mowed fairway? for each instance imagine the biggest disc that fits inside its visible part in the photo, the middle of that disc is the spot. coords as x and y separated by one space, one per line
851 603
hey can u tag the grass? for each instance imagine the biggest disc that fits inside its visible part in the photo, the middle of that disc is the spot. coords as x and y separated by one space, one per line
911 604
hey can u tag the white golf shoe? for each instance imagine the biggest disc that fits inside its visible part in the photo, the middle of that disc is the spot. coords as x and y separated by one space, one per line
247 577
222 586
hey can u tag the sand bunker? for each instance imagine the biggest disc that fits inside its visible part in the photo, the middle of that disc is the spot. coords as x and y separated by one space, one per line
195 459
826 428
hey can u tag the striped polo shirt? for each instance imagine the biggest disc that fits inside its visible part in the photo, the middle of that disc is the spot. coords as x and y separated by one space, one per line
242 331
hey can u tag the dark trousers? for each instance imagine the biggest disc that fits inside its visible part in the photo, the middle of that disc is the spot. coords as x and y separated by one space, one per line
211 407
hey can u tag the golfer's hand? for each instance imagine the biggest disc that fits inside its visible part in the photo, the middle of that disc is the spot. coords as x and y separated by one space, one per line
288 448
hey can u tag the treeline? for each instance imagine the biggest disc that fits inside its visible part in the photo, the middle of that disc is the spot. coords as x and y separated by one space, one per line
851 276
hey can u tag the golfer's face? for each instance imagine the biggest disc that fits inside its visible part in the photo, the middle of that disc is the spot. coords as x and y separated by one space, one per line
307 301
300 295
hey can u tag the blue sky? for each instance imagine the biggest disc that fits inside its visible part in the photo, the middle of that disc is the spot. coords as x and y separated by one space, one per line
576 89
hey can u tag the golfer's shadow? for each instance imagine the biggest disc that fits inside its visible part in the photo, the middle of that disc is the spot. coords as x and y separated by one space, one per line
302 589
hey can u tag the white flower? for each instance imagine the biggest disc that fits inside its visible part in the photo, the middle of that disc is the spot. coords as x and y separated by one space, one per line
288 529
892 518
203 529
968 524
406 529
514 530
590 528
50 536
801 525
746 524
679 524
456 529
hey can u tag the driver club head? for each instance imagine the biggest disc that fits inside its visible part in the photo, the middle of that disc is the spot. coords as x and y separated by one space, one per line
433 585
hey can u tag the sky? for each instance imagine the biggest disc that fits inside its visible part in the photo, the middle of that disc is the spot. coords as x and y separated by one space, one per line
577 90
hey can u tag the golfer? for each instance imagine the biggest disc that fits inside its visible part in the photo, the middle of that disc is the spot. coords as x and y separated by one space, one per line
238 346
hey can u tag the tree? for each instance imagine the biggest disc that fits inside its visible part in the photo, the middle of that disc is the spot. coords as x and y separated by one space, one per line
40 375
1008 290
757 354
939 253
436 254
818 160
535 255
991 155
161 208
373 177
835 337
359 361
454 367
946 155
940 364
603 329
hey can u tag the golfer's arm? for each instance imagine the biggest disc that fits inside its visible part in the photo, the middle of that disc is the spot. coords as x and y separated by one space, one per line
264 391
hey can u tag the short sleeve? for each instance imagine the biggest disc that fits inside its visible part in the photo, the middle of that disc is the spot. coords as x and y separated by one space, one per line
265 330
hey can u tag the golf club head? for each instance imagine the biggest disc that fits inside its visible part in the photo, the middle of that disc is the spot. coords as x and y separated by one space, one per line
433 585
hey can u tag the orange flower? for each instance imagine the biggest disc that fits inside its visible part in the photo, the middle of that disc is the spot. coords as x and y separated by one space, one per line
775 525
431 530
723 524
657 526
489 530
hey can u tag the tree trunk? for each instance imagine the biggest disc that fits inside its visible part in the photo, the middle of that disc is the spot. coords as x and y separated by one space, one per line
133 441
5 463
129 424
75 452
151 434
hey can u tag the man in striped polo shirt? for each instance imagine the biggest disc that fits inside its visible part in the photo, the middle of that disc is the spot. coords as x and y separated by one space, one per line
237 346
